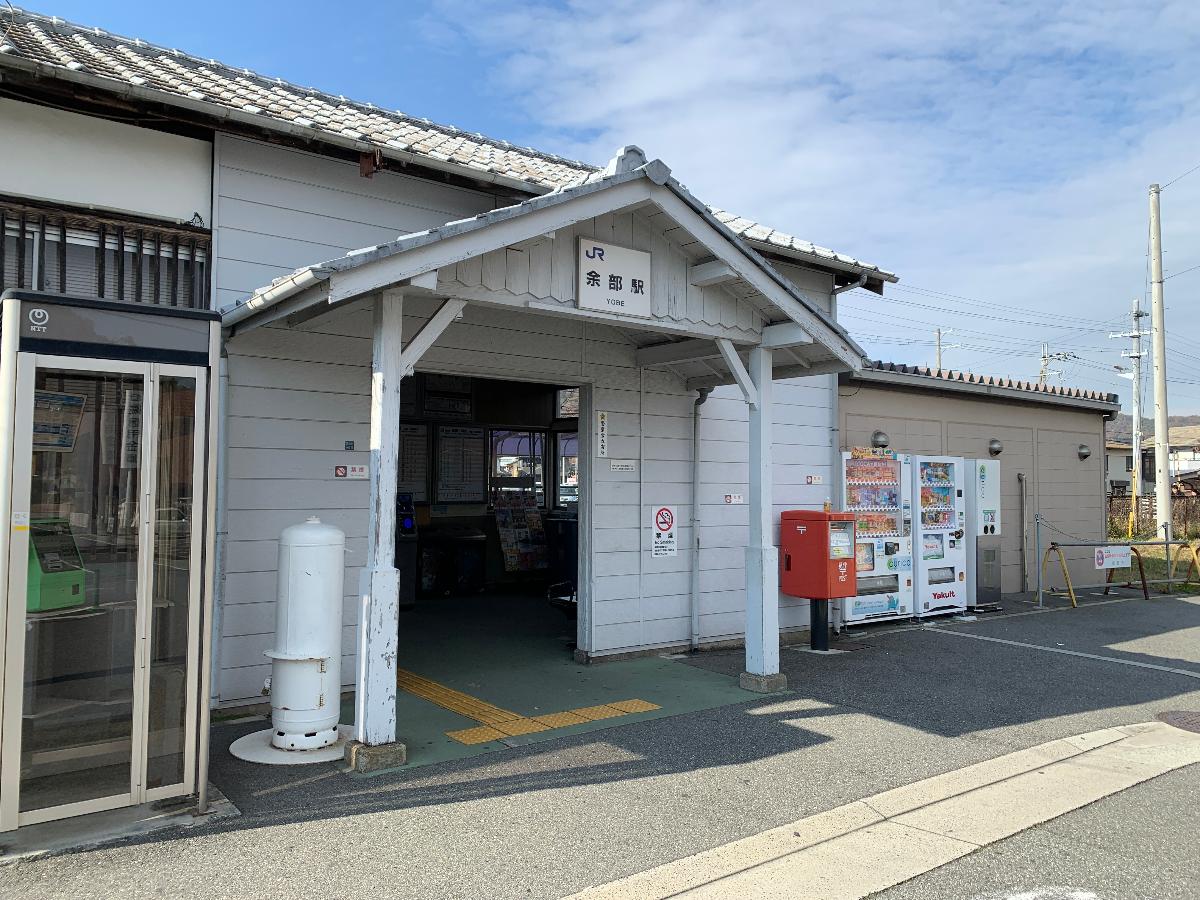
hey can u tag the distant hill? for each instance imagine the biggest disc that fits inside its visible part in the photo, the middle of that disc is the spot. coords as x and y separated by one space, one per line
1183 429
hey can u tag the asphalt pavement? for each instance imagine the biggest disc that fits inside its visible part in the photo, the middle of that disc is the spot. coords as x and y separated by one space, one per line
550 819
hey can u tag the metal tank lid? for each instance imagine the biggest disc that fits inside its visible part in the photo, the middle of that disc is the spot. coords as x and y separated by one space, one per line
312 532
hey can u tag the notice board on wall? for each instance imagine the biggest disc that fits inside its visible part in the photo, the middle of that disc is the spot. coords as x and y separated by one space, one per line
414 462
461 465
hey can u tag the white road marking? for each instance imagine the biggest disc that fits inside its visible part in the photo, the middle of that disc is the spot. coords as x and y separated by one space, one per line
1065 652
875 843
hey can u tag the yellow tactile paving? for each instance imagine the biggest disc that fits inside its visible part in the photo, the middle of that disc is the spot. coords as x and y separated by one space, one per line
594 713
634 706
560 720
455 701
521 726
496 723
480 734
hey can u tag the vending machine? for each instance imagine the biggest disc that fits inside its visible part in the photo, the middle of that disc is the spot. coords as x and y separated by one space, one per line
877 489
939 535
983 531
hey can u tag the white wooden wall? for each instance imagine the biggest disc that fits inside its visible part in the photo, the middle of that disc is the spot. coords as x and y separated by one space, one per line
279 209
297 395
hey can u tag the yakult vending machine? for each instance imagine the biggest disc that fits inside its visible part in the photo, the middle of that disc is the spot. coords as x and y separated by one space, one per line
939 530
877 489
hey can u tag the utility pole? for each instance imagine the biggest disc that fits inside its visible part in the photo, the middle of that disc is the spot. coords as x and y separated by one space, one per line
1136 376
1158 341
939 350
1046 357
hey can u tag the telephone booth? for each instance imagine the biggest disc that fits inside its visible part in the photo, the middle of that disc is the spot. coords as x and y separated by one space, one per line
104 426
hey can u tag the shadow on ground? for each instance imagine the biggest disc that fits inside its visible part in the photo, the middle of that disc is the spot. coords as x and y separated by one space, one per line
911 694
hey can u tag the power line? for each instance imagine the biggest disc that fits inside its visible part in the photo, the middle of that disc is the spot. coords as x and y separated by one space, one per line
1181 177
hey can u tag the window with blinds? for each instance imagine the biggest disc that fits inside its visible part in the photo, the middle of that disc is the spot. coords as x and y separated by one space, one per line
71 252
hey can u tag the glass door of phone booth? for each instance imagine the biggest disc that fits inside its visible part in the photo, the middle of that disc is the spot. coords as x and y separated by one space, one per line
106 500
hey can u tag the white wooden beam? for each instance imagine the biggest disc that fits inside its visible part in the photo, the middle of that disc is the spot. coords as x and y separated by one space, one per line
740 375
829 367
426 280
429 333
714 272
676 351
754 274
785 334
762 558
379 607
387 271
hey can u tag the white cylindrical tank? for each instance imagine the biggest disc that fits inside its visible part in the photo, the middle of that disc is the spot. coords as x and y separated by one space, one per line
306 659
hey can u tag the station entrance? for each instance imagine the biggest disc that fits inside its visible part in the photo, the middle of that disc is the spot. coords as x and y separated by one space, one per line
487 546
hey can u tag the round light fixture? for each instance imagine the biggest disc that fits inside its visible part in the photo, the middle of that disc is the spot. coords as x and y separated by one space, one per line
880 440
1084 451
995 448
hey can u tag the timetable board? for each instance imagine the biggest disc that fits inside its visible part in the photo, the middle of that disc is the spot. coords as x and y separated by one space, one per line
461 465
414 462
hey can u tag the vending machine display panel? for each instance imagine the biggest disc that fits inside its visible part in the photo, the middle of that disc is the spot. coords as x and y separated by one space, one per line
940 569
876 490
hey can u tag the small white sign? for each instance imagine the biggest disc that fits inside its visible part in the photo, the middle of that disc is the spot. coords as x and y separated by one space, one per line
814 479
622 465
357 473
1114 557
613 279
663 529
601 434
734 499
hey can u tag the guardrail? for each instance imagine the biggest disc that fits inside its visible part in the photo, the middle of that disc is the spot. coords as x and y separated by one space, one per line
1056 547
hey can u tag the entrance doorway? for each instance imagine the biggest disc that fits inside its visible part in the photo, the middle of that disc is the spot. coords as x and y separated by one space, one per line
104 581
491 485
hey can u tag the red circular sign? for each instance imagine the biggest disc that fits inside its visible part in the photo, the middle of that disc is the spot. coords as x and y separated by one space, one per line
664 519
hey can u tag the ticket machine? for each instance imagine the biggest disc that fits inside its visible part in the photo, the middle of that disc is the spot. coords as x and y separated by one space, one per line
816 562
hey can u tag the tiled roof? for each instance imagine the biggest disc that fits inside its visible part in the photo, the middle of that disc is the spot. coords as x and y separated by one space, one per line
773 239
60 47
969 378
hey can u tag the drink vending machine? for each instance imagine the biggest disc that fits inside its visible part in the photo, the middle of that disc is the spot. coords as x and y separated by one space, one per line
939 532
877 490
983 531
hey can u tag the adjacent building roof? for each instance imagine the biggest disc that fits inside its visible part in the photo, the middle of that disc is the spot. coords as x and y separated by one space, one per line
52 47
1008 388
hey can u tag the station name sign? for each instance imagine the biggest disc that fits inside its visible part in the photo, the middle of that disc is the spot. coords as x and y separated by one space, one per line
613 279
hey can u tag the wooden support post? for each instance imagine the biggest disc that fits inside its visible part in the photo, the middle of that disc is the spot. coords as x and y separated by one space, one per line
762 558
379 612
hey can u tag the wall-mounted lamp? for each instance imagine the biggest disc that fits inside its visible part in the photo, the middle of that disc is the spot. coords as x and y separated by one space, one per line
995 448
880 440
1084 451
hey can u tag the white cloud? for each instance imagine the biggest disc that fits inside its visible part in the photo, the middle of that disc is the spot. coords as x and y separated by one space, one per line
993 151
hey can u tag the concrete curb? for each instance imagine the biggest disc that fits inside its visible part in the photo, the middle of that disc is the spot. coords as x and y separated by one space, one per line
875 843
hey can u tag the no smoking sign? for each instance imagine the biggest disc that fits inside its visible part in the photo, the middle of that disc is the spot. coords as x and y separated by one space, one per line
663 541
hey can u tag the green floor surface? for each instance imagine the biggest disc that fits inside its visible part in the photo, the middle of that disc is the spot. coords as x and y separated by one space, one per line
516 652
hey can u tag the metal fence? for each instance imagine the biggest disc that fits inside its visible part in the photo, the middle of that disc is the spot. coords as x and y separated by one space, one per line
1185 518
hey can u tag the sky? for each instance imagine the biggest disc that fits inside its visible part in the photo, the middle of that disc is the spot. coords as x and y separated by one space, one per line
996 156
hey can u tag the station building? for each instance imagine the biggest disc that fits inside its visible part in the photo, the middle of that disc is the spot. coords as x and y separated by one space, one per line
234 303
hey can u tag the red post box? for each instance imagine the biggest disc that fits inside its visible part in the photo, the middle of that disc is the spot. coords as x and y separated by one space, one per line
816 559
